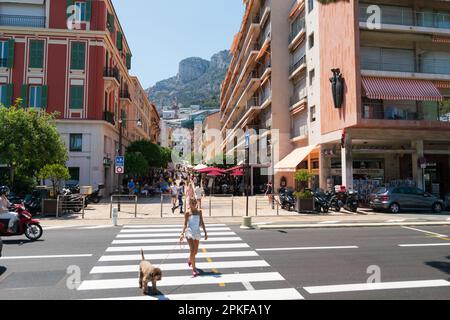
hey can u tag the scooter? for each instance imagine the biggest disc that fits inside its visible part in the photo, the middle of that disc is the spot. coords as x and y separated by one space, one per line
321 202
287 200
27 226
347 200
95 197
73 202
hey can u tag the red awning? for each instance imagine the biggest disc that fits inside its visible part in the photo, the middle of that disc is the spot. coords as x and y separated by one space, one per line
401 89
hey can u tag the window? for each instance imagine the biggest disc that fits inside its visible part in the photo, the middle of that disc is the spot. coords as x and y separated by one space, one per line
313 114
312 77
36 54
311 40
38 97
78 55
3 54
76 143
310 5
76 97
74 174
83 10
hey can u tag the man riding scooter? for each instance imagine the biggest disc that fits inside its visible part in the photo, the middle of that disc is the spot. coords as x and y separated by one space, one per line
5 213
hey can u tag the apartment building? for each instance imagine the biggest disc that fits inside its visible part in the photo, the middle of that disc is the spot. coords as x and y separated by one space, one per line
79 69
393 127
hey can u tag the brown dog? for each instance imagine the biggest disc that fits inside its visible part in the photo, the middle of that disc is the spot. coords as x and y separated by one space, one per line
147 273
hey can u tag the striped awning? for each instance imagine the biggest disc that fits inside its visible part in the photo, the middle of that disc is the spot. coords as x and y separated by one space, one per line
401 89
438 39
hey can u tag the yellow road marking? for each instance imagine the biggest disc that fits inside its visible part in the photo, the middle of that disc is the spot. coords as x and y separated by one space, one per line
222 285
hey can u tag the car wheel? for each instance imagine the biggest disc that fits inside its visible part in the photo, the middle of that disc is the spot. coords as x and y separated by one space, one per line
394 208
437 208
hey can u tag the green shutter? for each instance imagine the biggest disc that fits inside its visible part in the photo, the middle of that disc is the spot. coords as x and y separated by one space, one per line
9 95
10 53
68 4
88 10
24 95
36 54
123 117
78 54
44 99
128 61
119 41
111 22
76 97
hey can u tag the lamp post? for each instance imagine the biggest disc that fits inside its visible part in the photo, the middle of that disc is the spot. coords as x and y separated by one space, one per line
120 152
247 221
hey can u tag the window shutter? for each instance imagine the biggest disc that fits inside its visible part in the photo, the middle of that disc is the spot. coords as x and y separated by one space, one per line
119 41
24 95
129 61
78 54
111 22
76 97
123 117
44 99
69 3
9 95
36 54
88 10
10 53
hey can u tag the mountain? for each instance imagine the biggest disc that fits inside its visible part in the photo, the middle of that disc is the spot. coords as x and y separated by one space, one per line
197 82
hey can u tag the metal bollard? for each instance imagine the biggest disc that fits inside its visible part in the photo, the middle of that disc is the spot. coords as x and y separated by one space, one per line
115 216
256 207
232 206
210 213
162 203
135 206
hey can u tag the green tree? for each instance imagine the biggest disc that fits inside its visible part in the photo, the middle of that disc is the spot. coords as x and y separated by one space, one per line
156 156
29 140
303 177
56 173
136 165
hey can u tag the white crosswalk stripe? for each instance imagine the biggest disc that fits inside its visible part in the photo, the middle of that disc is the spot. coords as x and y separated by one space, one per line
229 267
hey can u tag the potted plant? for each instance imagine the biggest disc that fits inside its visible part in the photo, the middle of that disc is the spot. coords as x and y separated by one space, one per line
56 173
305 200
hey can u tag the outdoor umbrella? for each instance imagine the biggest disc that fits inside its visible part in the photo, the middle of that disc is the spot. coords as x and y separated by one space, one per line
212 170
237 173
214 174
200 167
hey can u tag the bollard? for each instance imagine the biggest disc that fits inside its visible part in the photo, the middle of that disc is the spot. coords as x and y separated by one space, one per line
247 223
115 216
210 212
162 203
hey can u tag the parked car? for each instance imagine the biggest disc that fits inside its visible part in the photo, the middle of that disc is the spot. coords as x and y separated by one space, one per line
1 247
400 199
447 201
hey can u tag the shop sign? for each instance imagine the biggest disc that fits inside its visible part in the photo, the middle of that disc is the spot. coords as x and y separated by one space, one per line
369 172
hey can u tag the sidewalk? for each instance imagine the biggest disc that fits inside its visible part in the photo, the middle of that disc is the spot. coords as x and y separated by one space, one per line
221 212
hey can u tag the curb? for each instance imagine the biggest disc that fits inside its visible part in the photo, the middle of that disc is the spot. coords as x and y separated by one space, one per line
352 225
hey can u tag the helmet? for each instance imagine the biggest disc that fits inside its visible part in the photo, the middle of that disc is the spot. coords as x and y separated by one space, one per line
4 191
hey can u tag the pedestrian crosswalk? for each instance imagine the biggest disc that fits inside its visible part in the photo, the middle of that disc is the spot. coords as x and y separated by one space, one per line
230 269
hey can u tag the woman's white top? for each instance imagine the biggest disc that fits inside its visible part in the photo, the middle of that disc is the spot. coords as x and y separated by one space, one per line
193 229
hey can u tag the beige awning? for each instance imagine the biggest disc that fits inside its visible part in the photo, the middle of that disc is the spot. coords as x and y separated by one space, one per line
291 162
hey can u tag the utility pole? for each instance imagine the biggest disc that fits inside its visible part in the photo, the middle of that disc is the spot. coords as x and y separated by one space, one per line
120 153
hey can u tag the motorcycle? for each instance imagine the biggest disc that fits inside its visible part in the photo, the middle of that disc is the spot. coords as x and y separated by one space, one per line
287 200
348 200
73 202
321 202
95 197
27 226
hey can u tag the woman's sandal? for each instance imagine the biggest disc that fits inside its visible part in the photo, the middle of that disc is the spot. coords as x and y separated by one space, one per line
195 274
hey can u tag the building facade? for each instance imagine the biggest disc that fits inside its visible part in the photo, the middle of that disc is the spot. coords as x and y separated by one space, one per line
72 57
392 127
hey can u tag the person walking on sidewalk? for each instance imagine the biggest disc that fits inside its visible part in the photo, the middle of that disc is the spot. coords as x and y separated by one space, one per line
174 195
193 220
190 194
180 198
199 193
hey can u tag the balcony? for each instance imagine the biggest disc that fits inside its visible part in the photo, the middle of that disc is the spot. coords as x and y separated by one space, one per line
429 66
22 21
296 67
405 16
423 111
300 132
125 94
297 29
112 77
109 117
299 97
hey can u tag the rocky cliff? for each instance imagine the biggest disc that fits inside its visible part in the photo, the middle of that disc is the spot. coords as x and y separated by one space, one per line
197 82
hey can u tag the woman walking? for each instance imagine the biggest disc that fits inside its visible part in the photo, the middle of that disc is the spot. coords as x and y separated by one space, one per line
190 194
193 219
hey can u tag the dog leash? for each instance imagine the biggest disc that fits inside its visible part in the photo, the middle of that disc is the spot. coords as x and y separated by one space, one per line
180 243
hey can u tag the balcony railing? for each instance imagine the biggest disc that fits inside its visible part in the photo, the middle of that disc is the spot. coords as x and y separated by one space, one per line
302 94
109 117
408 17
297 65
297 27
112 73
301 131
22 21
432 66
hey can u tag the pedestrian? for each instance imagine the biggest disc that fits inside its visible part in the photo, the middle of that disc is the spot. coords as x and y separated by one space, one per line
181 191
193 220
131 187
190 193
199 193
269 192
174 195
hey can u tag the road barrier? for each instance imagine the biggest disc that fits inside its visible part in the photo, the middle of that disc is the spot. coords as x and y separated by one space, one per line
123 200
70 204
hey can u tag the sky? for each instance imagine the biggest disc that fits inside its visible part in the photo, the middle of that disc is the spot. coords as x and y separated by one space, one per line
161 33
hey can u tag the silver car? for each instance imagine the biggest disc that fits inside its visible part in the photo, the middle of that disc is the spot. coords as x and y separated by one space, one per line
400 199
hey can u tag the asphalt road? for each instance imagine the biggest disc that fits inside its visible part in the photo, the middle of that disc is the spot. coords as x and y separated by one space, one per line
412 263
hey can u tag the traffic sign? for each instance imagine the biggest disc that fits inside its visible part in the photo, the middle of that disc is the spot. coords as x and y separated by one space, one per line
247 141
120 161
120 169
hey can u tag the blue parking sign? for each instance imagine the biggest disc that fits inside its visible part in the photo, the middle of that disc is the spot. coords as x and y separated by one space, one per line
120 161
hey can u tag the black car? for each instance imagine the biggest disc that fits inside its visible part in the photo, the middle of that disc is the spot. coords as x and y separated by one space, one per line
1 247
